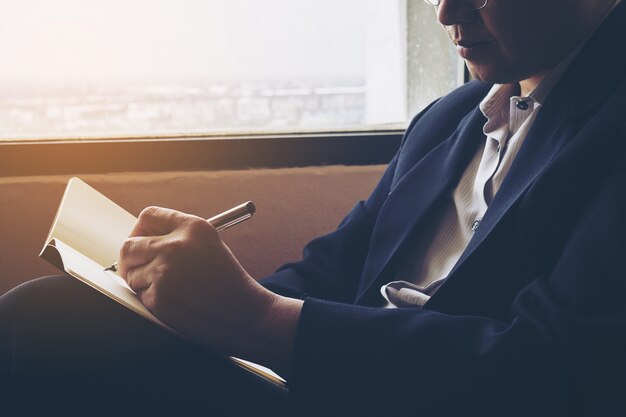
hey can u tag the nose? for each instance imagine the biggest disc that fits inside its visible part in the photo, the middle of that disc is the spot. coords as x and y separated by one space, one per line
453 12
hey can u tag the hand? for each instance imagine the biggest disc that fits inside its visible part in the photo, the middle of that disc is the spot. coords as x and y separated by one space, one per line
186 275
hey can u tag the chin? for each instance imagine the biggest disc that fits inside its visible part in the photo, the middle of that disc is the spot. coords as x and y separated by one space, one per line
494 75
483 76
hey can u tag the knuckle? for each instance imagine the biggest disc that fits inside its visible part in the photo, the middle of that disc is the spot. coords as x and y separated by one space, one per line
162 273
173 247
200 228
153 246
127 247
149 211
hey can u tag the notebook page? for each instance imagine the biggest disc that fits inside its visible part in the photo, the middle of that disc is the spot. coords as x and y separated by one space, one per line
91 223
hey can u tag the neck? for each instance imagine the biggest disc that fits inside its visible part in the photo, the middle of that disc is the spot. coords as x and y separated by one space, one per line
528 85
595 13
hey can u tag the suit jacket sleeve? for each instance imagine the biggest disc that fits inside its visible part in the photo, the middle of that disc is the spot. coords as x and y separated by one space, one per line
565 334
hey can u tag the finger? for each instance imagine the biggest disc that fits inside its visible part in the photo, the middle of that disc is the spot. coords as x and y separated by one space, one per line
157 221
148 298
138 251
138 279
148 275
146 282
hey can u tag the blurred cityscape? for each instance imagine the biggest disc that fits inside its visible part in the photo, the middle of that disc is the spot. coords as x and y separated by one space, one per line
48 110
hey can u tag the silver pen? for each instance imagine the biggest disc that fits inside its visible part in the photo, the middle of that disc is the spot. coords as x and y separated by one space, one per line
221 221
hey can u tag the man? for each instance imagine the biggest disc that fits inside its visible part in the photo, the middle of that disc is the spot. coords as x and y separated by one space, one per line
495 239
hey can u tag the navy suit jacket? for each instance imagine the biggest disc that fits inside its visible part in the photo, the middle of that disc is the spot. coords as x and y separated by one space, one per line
532 319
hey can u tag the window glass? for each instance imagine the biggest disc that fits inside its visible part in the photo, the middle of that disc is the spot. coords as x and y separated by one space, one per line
112 68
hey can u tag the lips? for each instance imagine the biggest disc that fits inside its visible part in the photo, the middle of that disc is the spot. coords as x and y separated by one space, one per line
469 49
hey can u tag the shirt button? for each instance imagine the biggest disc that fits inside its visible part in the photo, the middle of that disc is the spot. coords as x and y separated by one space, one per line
475 225
522 105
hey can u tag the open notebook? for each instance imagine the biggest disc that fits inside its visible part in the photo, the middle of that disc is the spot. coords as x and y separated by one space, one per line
85 238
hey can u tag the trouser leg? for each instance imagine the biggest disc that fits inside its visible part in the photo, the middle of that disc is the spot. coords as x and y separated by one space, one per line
65 348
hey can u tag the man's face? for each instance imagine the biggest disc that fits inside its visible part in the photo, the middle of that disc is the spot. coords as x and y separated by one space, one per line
513 40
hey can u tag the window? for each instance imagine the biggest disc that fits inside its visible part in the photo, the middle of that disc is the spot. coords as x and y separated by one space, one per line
162 68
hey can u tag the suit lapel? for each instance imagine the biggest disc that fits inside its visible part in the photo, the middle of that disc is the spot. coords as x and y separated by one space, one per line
418 190
543 142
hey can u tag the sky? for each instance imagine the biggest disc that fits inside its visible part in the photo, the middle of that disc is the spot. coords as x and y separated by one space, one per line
156 39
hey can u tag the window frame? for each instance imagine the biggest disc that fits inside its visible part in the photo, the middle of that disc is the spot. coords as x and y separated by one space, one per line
197 153
203 152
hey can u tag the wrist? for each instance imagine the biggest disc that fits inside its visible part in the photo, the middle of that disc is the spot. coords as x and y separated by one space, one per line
278 326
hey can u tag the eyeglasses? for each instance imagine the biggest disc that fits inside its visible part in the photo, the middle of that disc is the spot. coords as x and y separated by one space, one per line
473 4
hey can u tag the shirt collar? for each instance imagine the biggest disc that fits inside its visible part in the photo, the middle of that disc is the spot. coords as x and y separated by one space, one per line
495 107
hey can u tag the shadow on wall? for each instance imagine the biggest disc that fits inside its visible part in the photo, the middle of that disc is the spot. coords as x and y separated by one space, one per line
294 205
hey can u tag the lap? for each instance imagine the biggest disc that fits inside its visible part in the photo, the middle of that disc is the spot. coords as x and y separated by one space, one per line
65 343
